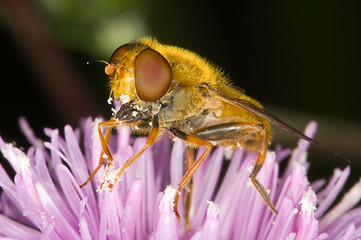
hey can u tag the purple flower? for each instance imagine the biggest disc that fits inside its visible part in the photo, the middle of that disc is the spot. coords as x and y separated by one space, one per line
44 200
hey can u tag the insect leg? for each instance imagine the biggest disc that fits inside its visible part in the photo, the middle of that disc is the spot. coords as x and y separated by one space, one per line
199 142
153 134
189 190
257 167
251 136
104 142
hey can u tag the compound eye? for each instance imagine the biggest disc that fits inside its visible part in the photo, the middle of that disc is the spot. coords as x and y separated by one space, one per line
153 75
119 53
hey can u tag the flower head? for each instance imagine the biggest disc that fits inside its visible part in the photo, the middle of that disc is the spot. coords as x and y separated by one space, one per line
44 201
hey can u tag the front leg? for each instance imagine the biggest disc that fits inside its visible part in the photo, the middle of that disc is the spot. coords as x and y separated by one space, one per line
153 135
105 150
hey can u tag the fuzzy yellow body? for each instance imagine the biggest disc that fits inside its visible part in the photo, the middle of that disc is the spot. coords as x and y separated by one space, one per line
190 106
167 88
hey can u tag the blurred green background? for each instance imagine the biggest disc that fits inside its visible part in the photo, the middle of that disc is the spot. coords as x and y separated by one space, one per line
302 60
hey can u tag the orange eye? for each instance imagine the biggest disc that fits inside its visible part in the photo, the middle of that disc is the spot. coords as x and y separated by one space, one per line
153 75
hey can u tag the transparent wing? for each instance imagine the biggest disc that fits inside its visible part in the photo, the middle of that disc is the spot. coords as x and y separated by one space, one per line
246 105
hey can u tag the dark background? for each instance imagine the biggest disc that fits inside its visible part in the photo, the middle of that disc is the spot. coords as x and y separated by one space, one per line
301 60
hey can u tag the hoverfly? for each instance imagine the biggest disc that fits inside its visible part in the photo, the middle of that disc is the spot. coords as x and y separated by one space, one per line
166 88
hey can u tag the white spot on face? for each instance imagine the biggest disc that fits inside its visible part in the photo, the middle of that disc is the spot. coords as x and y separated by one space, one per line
124 98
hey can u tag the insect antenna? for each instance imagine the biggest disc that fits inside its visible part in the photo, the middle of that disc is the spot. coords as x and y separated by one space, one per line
102 61
109 69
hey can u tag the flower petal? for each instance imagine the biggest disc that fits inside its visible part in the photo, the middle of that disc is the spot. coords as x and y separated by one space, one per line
211 227
133 211
167 226
15 230
308 225
204 188
332 194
